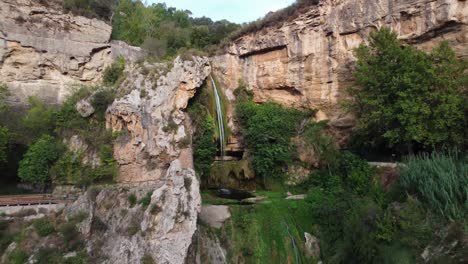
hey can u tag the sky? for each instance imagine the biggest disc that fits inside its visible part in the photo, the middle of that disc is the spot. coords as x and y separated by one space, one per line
237 11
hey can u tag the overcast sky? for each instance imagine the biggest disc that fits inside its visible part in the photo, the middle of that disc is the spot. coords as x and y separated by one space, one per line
233 10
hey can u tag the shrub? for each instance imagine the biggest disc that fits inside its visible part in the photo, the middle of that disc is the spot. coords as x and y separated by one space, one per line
48 256
147 259
34 168
113 72
93 192
203 136
101 101
132 200
133 228
17 256
268 129
356 172
440 180
44 227
38 120
146 200
322 145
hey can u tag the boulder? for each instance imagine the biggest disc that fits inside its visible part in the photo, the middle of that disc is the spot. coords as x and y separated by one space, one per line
84 108
312 247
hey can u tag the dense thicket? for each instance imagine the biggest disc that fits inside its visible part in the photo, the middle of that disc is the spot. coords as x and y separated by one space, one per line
407 99
163 30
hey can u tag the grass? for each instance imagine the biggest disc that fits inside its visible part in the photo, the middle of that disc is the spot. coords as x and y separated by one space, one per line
264 233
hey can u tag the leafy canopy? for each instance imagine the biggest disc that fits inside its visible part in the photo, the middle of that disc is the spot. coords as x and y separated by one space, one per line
34 168
407 98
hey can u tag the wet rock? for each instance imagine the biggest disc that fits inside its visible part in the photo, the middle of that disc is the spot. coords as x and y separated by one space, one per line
215 215
312 247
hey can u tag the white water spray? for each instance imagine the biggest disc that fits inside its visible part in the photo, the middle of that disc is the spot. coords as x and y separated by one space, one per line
219 113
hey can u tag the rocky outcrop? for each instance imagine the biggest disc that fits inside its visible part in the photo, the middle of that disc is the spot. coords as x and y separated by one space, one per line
120 232
307 61
156 129
45 52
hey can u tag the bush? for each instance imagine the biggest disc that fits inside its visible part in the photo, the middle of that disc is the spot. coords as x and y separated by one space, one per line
38 120
114 72
132 200
322 145
34 168
203 136
356 172
44 227
48 256
101 101
17 256
439 180
146 200
268 129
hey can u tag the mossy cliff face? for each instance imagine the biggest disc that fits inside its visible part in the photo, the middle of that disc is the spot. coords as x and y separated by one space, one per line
307 60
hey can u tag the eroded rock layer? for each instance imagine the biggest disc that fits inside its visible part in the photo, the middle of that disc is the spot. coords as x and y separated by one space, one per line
307 61
44 52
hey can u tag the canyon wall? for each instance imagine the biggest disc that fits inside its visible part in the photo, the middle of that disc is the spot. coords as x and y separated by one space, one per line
45 52
307 60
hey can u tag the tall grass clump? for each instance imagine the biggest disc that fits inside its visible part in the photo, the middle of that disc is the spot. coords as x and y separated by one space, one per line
440 180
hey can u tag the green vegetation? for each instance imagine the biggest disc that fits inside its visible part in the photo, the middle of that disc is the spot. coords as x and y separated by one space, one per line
17 256
43 227
164 31
114 72
35 166
439 180
407 99
4 141
146 200
132 200
203 136
268 129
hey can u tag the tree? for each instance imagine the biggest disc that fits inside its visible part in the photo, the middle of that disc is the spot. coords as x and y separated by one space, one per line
407 98
38 120
34 168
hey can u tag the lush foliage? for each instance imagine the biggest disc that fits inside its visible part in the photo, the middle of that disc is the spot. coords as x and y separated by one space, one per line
38 120
163 30
408 99
268 129
440 180
203 136
34 168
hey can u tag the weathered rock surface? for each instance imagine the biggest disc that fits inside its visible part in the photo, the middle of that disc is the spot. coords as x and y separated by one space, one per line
307 61
312 246
119 233
215 215
44 52
152 118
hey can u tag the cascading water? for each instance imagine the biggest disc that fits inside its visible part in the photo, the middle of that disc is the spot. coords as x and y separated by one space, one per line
219 113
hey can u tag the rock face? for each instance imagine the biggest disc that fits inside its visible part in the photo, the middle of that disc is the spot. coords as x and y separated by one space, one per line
156 129
44 52
154 156
307 61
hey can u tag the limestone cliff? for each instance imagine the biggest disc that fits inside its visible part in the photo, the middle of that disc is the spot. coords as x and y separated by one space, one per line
44 52
307 60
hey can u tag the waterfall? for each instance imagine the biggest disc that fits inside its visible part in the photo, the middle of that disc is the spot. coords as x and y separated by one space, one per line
219 114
